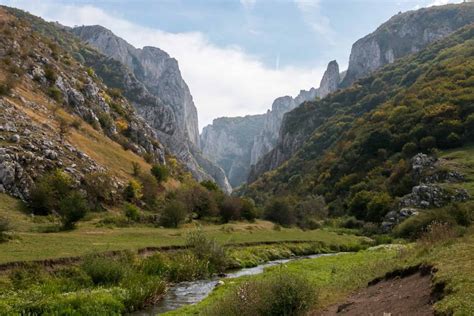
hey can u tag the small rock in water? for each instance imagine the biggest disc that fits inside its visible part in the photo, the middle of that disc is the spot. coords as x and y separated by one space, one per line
220 283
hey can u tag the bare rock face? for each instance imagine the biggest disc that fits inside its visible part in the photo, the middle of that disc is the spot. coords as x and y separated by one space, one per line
157 90
228 143
330 81
404 34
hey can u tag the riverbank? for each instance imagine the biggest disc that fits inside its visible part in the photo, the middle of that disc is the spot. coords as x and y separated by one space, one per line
129 281
448 259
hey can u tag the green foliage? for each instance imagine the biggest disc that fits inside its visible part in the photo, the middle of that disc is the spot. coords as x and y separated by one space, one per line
105 270
72 208
150 188
173 214
208 251
248 210
280 211
4 228
136 169
55 94
99 189
132 212
415 226
160 172
133 191
282 293
230 209
50 74
48 192
351 143
212 186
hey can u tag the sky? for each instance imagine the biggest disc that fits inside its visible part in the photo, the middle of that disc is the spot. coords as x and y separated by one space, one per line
236 56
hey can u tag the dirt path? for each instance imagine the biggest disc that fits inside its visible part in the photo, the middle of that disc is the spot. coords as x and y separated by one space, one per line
410 295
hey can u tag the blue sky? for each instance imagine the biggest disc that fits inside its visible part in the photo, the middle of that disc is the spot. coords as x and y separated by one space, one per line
236 55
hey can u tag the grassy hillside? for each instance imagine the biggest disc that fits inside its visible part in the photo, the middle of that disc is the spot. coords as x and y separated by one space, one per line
362 138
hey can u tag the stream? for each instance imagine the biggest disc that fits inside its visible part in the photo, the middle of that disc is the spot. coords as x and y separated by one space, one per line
192 292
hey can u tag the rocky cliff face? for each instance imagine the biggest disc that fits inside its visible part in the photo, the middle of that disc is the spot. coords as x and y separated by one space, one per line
228 143
330 81
404 34
155 87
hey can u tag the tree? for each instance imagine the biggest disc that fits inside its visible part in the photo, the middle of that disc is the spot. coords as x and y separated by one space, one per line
230 209
409 149
72 208
280 211
428 143
248 209
48 191
150 188
173 214
99 189
136 169
161 172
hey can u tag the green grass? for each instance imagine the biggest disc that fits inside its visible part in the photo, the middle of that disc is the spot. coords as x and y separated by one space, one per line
462 160
334 276
29 244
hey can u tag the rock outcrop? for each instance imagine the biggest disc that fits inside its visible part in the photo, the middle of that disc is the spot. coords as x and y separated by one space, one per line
330 81
155 87
228 143
403 34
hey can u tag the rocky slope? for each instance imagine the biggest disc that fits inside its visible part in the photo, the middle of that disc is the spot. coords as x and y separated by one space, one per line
53 111
159 94
402 35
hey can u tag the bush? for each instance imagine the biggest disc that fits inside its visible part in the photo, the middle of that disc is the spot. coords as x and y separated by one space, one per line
132 212
156 264
55 94
230 209
136 169
278 294
248 210
210 185
207 250
105 271
173 214
452 215
99 189
160 172
428 143
72 208
133 191
48 192
409 149
280 211
50 74
150 188
4 228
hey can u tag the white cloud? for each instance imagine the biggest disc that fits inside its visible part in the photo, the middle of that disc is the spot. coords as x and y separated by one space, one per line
224 81
313 17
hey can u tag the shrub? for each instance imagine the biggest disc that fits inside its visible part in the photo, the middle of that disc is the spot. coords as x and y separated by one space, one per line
132 212
76 123
207 250
50 74
149 188
136 169
133 191
210 185
409 149
103 270
156 264
428 143
64 127
55 94
4 228
72 208
199 201
230 209
161 172
99 189
141 290
185 267
278 294
378 206
452 215
48 192
248 210
280 211
173 214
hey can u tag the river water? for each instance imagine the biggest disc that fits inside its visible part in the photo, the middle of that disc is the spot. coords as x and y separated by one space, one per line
186 293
